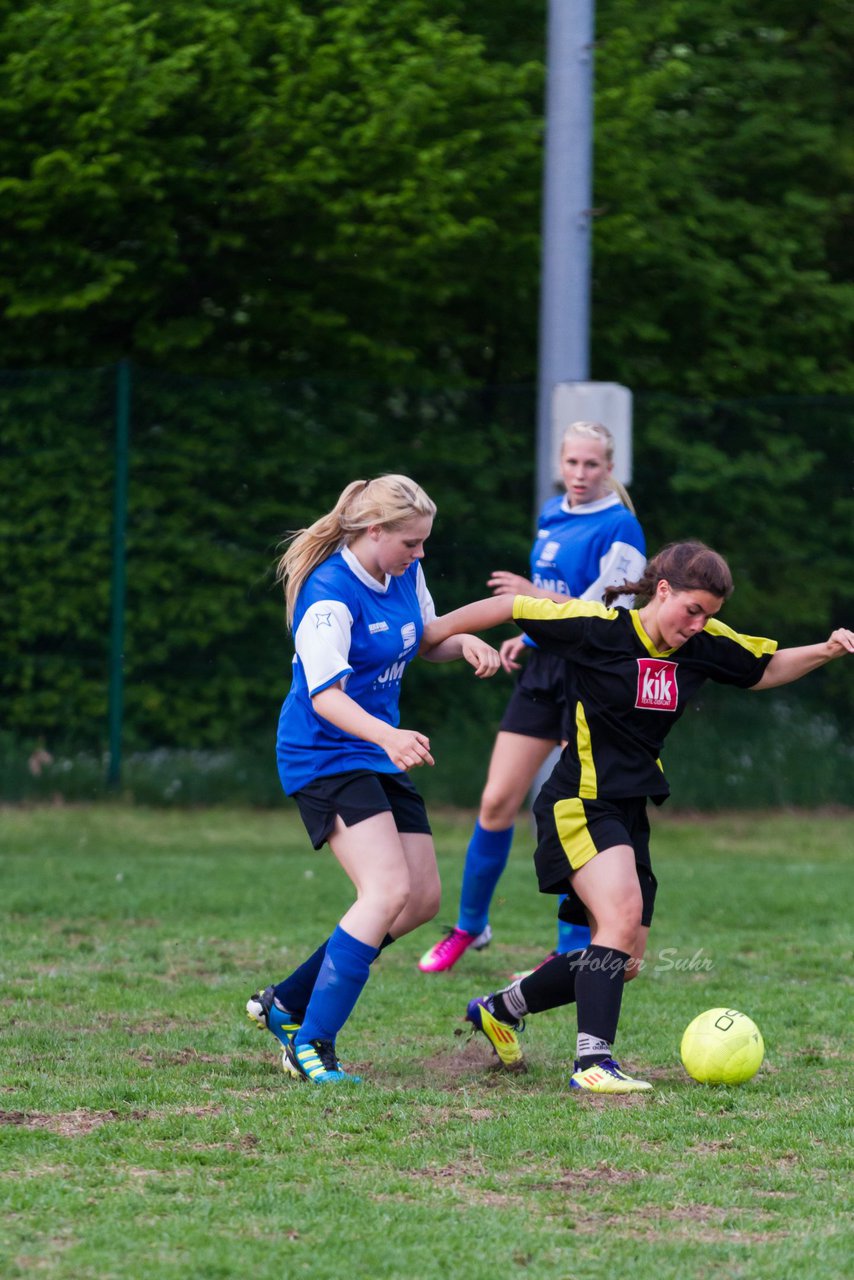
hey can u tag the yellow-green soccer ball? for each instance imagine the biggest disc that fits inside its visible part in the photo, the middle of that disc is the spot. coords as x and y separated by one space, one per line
722 1046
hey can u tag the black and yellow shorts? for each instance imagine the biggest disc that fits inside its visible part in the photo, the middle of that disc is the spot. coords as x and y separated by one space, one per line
571 831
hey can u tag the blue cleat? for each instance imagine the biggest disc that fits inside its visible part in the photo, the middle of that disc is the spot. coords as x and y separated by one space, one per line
317 1062
268 1014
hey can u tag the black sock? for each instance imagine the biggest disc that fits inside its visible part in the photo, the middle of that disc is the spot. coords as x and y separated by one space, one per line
599 979
499 1008
386 942
552 985
548 987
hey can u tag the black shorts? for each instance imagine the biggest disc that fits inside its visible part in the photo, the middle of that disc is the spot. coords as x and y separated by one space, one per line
358 795
571 831
538 707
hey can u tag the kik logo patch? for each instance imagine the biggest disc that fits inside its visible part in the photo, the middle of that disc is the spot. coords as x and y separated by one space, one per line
657 689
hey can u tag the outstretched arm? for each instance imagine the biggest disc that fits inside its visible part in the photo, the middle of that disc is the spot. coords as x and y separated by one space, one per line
478 616
790 664
504 583
478 654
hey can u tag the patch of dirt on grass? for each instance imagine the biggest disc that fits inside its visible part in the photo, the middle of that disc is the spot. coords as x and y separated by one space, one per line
436 1117
451 1172
447 1069
144 1026
460 1178
662 1075
699 1222
36 1171
164 1113
178 1057
68 1124
581 1098
73 1124
588 1179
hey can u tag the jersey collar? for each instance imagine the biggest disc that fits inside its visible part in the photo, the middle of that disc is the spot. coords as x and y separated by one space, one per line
355 565
644 638
590 508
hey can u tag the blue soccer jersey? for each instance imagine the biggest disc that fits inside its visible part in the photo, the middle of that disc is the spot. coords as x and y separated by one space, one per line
579 551
349 628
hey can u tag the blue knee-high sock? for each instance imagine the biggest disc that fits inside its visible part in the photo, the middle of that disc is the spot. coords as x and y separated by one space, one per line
486 858
294 992
570 937
342 976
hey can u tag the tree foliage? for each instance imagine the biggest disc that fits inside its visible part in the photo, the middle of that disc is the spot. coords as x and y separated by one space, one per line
343 202
292 189
724 175
221 469
287 187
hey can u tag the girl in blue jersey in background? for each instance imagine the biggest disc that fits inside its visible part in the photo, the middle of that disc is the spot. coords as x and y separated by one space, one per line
588 539
358 603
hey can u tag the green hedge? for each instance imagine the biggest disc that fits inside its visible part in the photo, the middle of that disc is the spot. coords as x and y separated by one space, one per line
220 470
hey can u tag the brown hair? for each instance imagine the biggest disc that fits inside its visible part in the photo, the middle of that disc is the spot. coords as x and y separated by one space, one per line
687 566
389 501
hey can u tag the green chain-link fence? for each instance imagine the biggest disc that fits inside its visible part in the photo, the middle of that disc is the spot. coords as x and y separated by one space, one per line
143 642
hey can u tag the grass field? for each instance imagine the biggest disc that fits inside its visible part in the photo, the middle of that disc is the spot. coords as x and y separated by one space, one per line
148 1132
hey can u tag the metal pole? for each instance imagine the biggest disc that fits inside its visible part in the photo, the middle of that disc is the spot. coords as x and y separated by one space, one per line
117 589
564 354
567 185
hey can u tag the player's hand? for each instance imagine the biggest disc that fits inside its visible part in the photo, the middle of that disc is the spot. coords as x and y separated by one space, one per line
481 656
504 583
841 642
406 749
510 652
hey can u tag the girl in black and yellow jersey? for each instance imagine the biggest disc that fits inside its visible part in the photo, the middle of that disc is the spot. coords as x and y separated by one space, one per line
630 674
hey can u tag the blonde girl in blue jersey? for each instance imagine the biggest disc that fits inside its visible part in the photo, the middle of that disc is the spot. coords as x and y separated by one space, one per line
632 673
588 538
358 603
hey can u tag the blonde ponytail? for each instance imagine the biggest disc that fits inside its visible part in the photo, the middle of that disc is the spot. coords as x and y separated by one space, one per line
389 501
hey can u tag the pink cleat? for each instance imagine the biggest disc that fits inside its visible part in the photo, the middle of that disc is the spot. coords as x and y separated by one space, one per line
445 954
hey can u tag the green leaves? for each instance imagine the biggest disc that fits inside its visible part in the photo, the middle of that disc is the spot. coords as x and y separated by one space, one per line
299 188
723 171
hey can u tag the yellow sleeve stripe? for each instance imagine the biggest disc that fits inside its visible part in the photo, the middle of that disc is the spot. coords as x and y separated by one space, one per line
550 610
757 645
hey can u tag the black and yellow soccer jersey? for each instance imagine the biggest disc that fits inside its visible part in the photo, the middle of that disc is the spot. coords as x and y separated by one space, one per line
625 694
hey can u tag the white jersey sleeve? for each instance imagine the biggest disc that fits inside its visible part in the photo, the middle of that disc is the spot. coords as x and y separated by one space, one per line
425 600
322 643
621 563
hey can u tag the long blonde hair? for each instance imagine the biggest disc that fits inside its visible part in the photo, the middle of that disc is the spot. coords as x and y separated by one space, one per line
388 500
599 432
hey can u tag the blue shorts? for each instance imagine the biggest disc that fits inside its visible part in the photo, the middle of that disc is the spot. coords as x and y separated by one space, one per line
358 795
